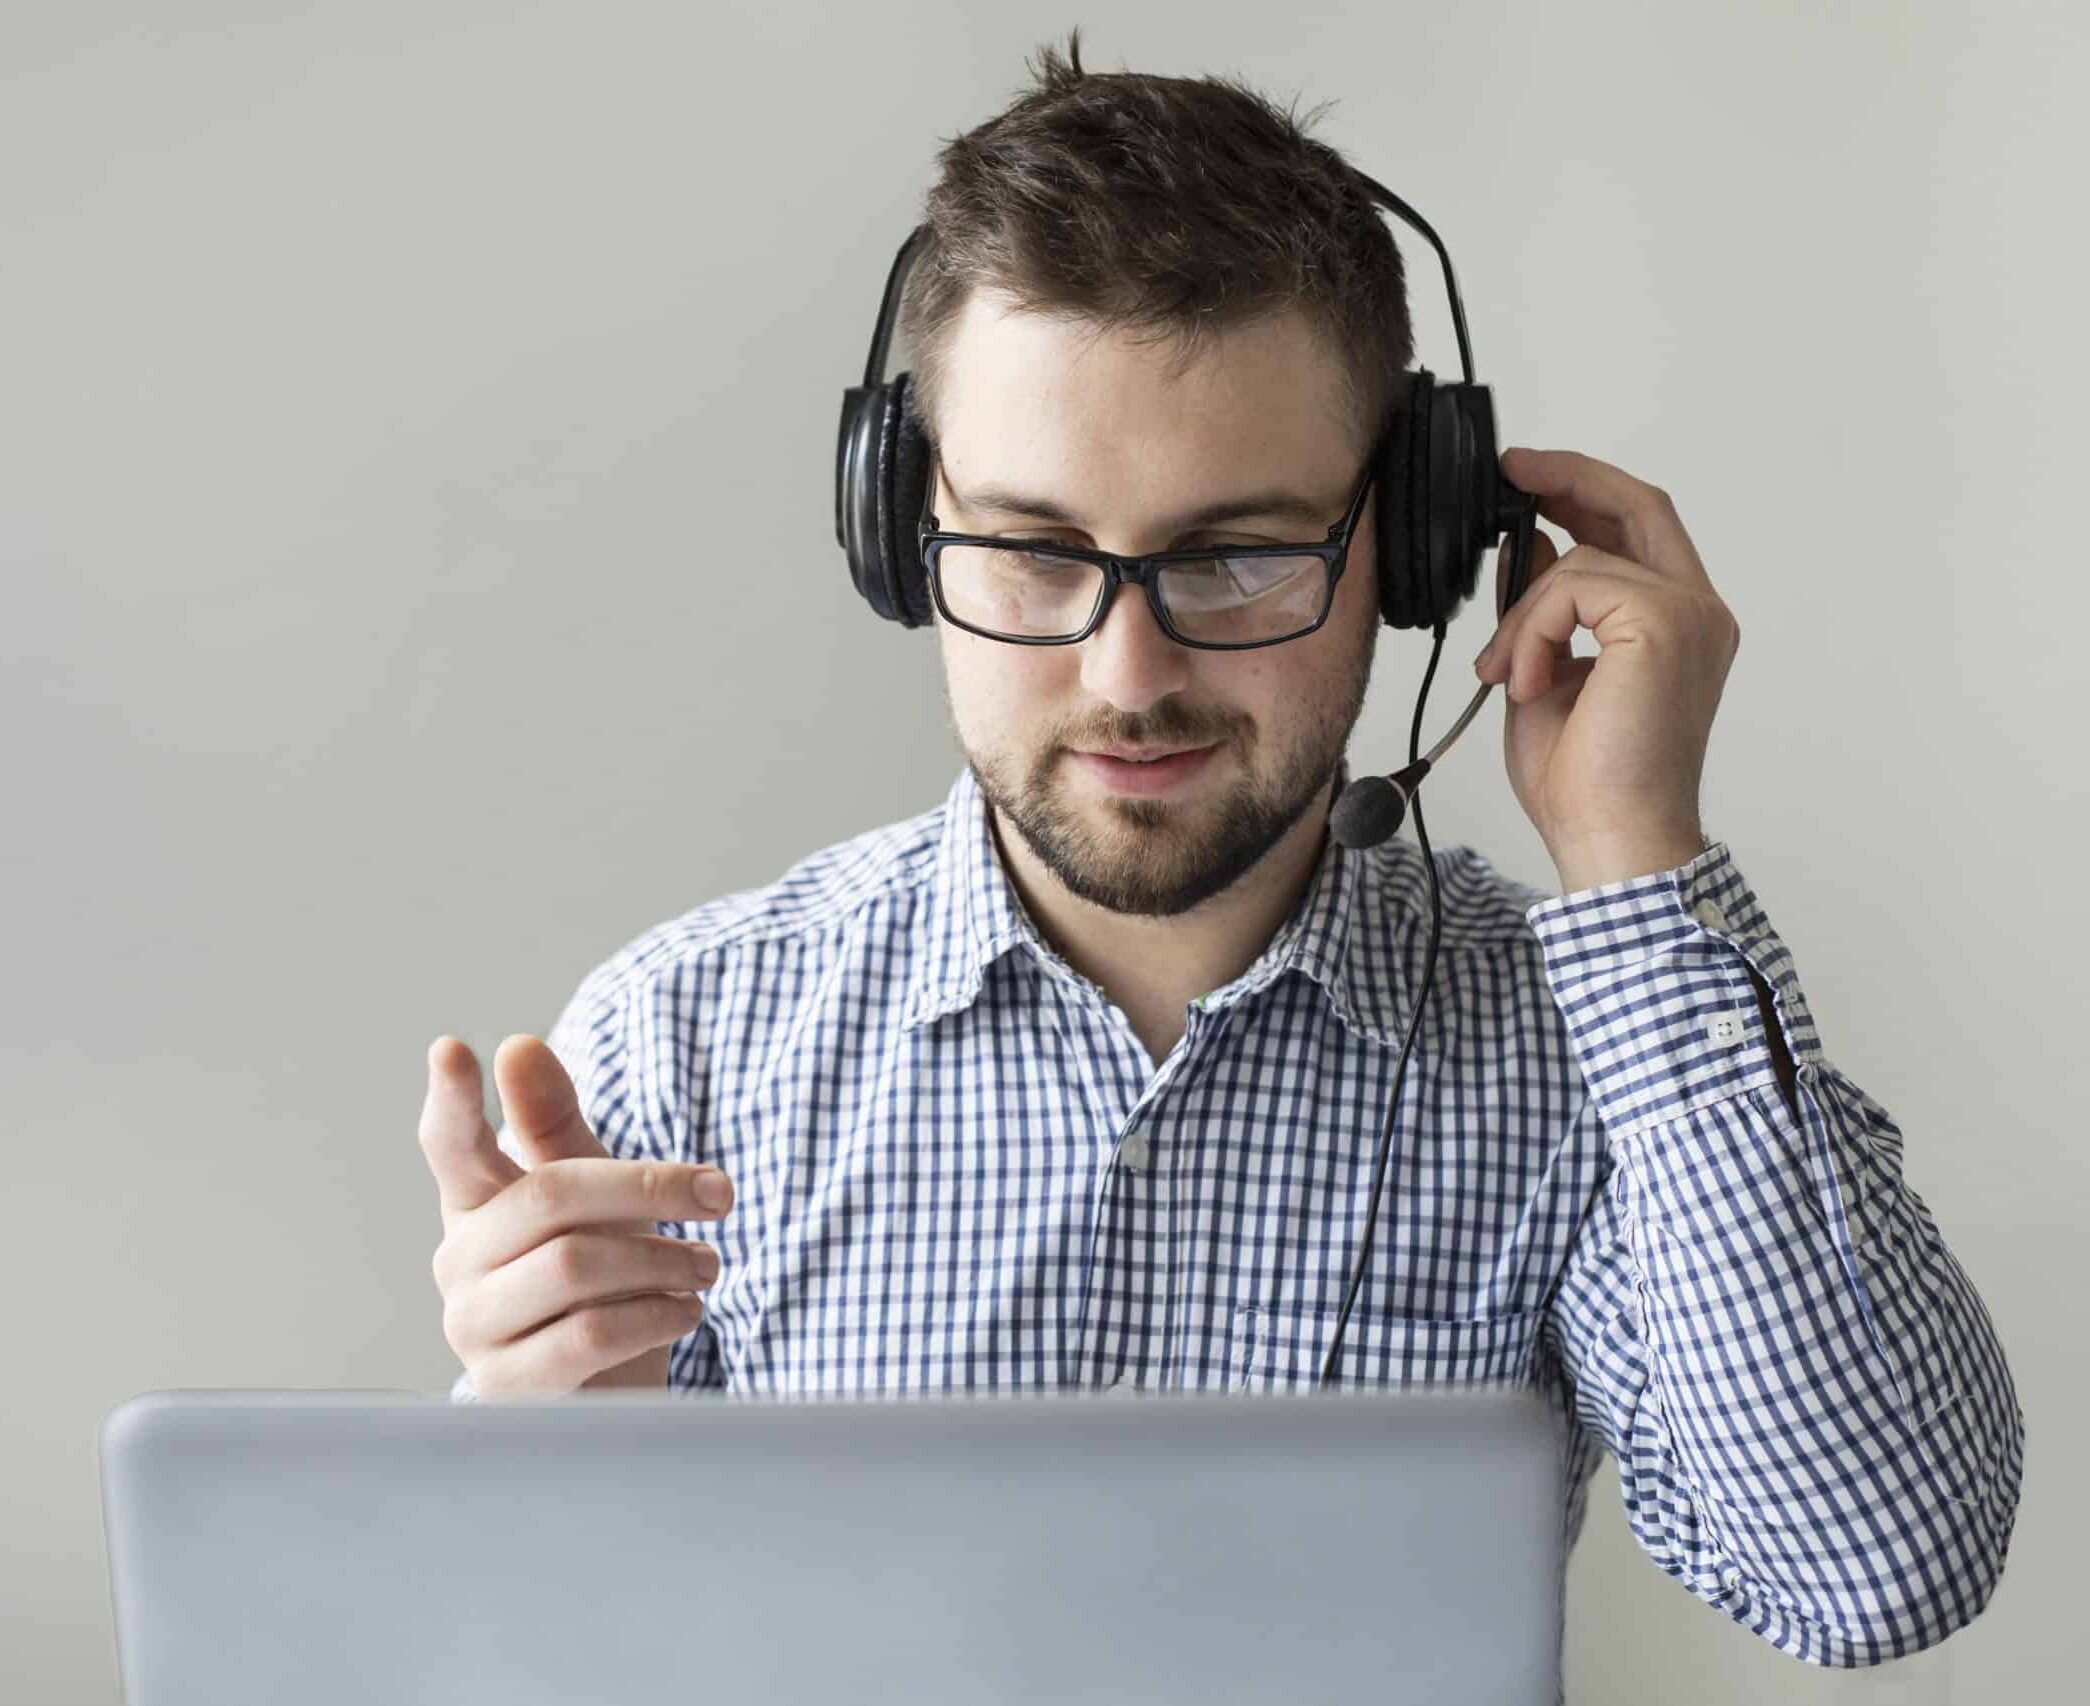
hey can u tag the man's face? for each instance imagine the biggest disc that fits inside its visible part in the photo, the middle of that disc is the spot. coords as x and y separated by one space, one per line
1098 425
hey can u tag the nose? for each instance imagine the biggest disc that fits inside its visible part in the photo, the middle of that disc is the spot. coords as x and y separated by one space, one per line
1129 659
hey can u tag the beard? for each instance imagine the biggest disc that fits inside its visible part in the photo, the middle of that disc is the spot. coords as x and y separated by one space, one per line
1156 858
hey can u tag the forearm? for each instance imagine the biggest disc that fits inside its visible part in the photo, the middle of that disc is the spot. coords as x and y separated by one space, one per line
1816 1427
1838 1430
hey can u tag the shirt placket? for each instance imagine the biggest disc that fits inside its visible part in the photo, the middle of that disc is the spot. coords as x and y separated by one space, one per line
1128 1285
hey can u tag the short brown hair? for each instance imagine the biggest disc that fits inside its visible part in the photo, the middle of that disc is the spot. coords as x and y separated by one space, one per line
1170 206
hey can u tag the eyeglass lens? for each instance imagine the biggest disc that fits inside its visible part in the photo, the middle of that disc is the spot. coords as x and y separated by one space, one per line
1032 594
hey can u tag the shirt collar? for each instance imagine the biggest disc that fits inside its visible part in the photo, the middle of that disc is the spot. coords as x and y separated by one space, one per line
973 917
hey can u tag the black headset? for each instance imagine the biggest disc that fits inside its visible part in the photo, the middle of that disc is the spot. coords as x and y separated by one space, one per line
1441 501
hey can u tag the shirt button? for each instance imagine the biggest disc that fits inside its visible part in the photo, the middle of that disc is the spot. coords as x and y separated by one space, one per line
1122 1387
1133 1151
1710 915
1725 1030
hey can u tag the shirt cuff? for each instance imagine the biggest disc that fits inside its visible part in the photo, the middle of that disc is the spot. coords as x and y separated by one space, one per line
1652 975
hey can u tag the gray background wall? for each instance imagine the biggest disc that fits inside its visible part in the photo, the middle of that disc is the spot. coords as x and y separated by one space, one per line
416 434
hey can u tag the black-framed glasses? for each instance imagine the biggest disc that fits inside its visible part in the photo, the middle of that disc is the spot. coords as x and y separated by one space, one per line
1222 598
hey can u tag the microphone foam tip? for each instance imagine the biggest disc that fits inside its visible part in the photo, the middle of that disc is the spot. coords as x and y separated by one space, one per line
1371 809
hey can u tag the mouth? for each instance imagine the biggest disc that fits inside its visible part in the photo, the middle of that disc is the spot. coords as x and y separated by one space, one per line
1137 754
1159 771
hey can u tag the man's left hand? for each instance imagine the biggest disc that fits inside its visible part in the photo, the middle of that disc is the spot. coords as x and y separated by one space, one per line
1605 753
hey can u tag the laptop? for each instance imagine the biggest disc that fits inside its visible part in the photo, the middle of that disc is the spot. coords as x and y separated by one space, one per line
323 1547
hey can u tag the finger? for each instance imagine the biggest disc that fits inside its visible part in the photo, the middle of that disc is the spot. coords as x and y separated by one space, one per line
1605 506
462 1153
1489 664
542 1108
1544 635
564 1355
540 1104
570 1272
1544 553
564 1195
1492 665
1564 684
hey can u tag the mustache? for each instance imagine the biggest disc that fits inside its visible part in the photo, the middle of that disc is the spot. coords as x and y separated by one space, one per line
1164 730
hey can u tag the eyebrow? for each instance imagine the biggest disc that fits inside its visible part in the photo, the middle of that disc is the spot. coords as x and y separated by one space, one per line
1281 506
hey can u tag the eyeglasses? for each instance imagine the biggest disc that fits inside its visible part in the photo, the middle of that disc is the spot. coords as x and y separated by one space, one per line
1226 598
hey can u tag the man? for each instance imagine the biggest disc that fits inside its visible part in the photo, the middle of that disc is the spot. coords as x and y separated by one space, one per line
1076 1080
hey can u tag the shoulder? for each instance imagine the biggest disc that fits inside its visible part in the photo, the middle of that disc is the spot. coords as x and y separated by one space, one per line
1484 910
867 884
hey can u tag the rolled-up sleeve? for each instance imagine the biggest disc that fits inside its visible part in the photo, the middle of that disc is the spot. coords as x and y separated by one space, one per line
1815 1426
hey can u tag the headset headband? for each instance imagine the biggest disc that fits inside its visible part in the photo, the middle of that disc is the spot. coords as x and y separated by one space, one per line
889 307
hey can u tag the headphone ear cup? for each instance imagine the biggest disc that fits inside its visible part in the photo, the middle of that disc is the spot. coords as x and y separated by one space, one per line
908 494
1463 470
1402 506
1436 512
881 468
857 530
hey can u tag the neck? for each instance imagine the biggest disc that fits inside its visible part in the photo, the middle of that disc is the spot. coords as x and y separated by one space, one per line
1152 968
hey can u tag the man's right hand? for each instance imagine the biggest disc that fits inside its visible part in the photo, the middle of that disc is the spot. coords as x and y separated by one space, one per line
552 1277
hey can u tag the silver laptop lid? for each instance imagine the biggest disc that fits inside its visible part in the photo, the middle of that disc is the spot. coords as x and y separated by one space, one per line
1278 1550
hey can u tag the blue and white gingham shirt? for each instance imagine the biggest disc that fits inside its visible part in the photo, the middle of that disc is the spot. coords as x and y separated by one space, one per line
958 1170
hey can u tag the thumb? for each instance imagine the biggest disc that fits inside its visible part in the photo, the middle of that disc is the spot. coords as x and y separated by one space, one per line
460 1146
540 1103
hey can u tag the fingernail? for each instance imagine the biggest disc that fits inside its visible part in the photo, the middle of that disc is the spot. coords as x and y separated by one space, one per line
713 1193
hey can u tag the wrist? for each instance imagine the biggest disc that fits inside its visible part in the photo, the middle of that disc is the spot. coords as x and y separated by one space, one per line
1592 864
